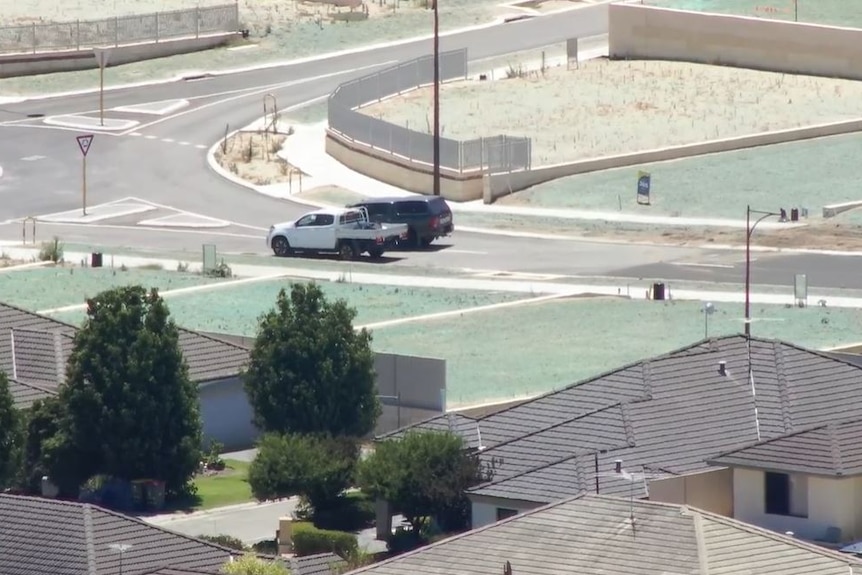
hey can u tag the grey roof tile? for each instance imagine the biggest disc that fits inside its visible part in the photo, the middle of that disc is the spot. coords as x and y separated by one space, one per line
69 538
830 449
462 425
593 535
24 394
319 564
682 413
35 337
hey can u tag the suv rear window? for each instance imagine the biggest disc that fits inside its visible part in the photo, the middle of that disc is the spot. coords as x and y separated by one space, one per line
412 207
438 205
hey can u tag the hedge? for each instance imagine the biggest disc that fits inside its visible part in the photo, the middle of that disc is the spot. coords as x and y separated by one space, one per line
309 540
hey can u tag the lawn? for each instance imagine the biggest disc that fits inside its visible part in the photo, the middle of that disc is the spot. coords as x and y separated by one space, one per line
228 487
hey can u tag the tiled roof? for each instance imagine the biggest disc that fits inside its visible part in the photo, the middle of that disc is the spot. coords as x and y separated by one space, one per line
172 571
594 535
319 564
35 349
210 359
831 449
69 538
24 394
669 413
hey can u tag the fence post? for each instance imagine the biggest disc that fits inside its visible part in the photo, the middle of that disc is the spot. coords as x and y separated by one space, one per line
197 21
158 23
77 34
34 37
116 31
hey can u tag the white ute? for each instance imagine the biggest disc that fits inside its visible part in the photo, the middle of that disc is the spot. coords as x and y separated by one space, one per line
347 232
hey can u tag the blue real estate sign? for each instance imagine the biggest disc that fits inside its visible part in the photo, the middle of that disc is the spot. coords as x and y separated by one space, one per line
643 187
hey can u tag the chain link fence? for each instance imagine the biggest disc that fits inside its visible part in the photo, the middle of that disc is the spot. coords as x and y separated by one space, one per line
153 27
495 154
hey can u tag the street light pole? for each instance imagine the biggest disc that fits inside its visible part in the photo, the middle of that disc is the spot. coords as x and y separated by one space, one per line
749 229
436 175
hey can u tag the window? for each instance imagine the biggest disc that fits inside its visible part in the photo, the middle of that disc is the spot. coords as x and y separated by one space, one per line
786 494
411 208
315 220
350 217
503 513
377 210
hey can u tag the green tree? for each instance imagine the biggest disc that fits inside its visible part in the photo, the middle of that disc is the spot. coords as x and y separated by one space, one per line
41 424
250 564
130 410
10 435
310 371
424 474
317 468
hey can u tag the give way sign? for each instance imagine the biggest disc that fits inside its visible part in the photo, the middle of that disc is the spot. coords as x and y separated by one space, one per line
84 143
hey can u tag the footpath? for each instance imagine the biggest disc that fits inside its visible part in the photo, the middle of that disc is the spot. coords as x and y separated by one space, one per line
249 273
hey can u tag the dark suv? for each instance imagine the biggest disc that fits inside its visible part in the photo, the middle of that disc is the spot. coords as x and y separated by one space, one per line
427 217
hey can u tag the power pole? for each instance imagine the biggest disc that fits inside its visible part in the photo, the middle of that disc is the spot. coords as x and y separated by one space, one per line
436 175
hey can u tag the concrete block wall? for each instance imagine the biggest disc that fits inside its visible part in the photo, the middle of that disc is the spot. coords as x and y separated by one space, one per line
646 32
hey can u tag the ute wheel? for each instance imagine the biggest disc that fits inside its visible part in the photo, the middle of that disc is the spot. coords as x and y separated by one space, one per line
375 253
425 242
281 247
346 251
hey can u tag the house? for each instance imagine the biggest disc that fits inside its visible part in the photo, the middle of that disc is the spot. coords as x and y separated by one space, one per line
69 538
318 564
600 534
662 419
34 350
808 482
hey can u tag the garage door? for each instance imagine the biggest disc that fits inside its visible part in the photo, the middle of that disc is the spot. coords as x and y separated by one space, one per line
226 415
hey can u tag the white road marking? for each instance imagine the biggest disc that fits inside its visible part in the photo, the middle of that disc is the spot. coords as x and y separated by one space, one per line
200 146
89 123
168 140
151 137
457 251
184 143
160 108
96 213
186 220
207 232
700 265
136 134
33 158
178 210
265 90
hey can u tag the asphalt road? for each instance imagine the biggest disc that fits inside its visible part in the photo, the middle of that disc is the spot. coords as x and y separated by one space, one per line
163 160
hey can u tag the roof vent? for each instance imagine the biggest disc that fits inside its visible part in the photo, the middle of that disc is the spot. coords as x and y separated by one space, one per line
618 465
722 368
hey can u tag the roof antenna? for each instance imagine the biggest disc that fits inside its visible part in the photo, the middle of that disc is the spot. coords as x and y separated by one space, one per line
479 435
507 568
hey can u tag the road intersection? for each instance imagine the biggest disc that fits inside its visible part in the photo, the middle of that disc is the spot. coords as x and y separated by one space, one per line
151 157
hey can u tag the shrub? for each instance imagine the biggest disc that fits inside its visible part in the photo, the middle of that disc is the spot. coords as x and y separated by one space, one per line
225 541
351 512
309 540
266 547
51 251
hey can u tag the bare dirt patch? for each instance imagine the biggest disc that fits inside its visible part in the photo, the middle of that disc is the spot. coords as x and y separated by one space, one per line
614 107
253 156
545 6
255 14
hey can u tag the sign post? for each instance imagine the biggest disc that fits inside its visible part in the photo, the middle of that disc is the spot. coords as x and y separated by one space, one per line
84 142
102 55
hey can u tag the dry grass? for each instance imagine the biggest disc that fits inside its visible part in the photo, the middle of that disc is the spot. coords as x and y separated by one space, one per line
253 156
257 15
613 107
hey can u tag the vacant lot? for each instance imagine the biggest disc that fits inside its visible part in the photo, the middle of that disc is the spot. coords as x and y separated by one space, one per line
606 108
280 30
829 12
806 174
